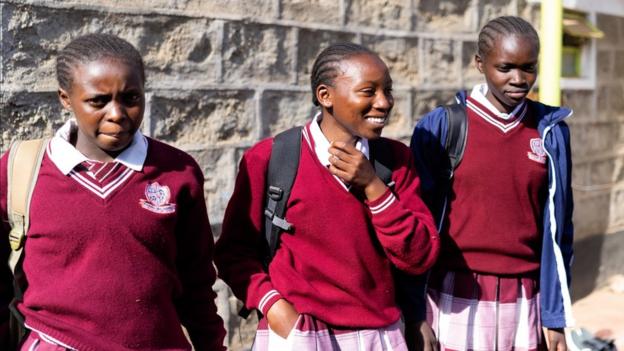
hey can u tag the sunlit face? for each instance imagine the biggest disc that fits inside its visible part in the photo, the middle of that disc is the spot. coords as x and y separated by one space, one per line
510 70
108 100
360 99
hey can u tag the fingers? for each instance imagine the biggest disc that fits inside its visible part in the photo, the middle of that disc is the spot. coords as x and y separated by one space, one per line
344 149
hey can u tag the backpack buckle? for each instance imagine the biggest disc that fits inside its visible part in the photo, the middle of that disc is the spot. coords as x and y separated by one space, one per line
275 193
17 233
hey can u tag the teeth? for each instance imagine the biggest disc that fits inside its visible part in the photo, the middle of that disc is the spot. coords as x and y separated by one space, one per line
376 120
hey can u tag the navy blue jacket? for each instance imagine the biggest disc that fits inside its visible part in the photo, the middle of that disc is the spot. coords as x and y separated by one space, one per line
431 161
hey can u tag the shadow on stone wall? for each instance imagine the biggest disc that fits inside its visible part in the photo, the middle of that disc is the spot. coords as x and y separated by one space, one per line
596 258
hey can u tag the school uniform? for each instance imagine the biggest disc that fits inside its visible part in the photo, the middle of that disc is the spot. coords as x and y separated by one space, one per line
118 254
497 233
335 267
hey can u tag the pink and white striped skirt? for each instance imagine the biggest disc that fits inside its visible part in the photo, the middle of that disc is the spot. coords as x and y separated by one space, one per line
310 334
470 311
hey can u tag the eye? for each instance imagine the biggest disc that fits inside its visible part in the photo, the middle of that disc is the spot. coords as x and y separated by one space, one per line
368 91
503 68
532 68
98 101
132 99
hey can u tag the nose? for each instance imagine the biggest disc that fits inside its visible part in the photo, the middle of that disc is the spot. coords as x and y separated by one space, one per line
518 77
117 111
384 101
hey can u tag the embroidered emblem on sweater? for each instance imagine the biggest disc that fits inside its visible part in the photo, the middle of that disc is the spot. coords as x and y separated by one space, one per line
537 153
157 199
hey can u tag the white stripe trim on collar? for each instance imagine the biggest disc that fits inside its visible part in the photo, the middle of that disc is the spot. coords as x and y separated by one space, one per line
504 127
479 93
66 157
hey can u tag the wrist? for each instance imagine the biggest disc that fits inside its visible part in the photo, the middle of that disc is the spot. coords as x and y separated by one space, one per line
375 189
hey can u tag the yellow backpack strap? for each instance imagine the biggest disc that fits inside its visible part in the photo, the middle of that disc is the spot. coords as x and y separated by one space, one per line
24 163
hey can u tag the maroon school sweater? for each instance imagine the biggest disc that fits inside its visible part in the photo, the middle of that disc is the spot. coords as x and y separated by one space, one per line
336 264
498 195
120 272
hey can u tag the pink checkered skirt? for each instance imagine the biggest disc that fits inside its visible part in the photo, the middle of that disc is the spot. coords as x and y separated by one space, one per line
470 311
310 334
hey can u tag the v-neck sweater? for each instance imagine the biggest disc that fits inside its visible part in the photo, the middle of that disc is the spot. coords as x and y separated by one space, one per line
120 269
498 191
336 264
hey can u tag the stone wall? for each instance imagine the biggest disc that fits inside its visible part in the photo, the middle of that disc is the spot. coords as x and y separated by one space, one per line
224 74
597 130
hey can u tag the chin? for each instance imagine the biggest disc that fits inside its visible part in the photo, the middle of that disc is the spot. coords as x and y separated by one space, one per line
372 135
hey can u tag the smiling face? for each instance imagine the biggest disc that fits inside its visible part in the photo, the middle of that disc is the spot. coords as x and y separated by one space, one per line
108 100
359 101
510 70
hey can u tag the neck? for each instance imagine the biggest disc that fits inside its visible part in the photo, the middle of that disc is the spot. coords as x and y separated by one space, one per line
334 131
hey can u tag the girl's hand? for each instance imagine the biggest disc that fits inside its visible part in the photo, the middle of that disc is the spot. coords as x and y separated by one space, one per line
282 317
350 165
556 339
419 336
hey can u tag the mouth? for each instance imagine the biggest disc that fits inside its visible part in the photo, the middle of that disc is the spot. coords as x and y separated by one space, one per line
517 94
117 135
376 120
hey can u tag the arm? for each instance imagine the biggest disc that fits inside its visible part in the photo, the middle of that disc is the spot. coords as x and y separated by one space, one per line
196 306
428 153
567 238
6 278
555 336
241 247
402 222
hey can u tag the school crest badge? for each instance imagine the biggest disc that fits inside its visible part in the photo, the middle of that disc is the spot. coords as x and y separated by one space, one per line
537 153
157 199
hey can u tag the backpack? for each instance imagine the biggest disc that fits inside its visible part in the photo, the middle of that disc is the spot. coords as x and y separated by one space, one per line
281 175
22 172
454 146
456 135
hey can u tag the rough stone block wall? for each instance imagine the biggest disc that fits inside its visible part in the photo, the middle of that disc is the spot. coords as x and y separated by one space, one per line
223 74
598 149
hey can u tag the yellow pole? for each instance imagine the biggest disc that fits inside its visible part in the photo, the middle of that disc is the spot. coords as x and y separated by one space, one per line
550 53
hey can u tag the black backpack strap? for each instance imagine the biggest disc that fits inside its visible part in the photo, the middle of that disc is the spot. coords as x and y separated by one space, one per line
456 135
280 178
379 156
281 175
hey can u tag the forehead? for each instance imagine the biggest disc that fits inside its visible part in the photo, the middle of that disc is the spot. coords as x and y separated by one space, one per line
364 66
513 48
107 71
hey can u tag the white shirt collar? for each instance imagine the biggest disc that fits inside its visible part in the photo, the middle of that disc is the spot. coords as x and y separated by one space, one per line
321 144
480 91
66 157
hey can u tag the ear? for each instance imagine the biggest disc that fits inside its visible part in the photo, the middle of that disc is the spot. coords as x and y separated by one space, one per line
324 96
64 98
479 63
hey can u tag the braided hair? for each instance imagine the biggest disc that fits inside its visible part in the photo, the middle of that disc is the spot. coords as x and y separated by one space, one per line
326 65
504 26
92 47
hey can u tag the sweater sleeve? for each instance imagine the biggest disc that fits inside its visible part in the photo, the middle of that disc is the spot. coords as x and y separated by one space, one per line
6 278
241 247
404 225
428 155
196 305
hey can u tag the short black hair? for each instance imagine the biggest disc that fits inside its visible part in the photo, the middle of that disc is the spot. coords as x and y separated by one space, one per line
325 67
92 47
502 26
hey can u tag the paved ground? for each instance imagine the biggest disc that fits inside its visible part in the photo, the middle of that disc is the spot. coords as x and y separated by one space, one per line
602 312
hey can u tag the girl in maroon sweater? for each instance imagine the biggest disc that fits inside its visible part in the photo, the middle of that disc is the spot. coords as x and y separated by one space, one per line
119 247
330 284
